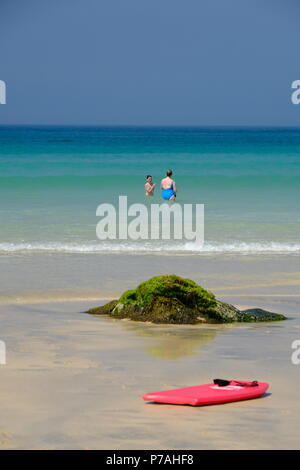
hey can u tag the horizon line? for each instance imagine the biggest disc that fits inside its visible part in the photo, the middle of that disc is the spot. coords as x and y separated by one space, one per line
241 126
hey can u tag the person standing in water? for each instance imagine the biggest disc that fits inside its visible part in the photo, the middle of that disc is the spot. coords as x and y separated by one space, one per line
149 186
168 187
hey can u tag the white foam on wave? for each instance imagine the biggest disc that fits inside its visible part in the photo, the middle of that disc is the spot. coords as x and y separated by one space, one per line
130 247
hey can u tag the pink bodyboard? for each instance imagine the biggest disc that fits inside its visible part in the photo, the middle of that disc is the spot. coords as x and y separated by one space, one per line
208 394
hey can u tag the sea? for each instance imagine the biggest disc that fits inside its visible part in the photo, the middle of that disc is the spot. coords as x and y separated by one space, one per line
52 179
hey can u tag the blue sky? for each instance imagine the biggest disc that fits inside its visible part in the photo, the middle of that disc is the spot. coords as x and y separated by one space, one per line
149 62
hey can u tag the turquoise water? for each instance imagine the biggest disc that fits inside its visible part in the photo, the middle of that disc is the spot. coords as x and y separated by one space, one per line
53 178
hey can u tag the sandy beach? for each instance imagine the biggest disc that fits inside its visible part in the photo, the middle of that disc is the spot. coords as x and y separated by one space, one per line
75 381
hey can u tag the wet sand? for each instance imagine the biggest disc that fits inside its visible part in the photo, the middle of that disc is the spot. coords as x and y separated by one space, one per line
38 277
74 381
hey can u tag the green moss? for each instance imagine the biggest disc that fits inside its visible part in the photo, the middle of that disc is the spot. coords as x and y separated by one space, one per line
129 296
171 286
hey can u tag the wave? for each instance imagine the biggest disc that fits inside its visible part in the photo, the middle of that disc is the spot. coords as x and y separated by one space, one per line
210 247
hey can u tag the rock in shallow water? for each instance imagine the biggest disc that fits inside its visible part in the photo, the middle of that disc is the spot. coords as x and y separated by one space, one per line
172 299
258 314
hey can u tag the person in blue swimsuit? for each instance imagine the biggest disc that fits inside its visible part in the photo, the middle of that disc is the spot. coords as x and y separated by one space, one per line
168 187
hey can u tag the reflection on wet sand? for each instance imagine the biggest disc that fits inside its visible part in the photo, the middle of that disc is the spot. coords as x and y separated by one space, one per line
171 342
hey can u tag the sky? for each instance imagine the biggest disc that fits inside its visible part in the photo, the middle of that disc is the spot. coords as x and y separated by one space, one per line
150 62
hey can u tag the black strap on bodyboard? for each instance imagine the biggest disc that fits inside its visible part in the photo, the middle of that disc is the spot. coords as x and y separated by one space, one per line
221 382
224 383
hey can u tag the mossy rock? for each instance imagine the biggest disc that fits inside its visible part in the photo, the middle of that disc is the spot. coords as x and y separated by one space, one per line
258 314
104 309
172 299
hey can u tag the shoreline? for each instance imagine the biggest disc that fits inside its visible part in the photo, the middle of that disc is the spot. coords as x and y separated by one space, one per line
70 277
